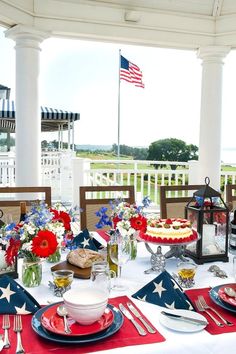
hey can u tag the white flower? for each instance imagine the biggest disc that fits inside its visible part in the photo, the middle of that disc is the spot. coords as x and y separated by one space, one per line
57 228
27 246
125 228
30 228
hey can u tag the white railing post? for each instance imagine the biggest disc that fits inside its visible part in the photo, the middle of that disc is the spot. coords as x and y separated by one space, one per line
79 177
66 176
193 174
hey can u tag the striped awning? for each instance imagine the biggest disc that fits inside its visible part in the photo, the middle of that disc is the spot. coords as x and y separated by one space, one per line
51 118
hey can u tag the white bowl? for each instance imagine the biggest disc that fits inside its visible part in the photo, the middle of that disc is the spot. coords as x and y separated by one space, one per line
85 305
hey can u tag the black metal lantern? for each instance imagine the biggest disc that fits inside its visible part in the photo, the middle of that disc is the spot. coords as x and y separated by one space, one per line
5 269
210 218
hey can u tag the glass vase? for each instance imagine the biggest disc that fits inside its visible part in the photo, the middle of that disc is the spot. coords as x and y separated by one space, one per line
55 257
133 247
31 273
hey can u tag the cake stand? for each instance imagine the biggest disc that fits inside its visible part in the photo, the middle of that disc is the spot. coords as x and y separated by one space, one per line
158 259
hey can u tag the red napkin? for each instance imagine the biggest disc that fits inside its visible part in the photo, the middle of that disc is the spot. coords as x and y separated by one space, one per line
212 328
126 336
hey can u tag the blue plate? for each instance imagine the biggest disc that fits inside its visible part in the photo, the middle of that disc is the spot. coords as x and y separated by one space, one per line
215 297
114 327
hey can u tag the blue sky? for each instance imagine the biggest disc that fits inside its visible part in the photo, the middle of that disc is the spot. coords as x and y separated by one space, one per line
82 76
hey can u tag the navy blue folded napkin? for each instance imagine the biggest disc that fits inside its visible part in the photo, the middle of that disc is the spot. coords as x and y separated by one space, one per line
14 299
84 240
164 291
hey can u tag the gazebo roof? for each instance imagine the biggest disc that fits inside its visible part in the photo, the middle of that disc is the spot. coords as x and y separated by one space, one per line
176 23
51 118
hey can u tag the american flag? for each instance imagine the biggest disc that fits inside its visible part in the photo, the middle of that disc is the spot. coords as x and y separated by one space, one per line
164 291
130 72
14 299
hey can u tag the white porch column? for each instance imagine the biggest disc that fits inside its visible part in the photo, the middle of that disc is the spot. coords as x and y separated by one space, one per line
210 121
80 177
28 117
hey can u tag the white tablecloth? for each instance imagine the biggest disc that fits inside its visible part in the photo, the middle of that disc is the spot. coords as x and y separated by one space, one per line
176 342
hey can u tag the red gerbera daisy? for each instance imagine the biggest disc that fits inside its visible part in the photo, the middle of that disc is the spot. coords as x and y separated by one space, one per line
12 251
115 220
139 223
62 216
44 244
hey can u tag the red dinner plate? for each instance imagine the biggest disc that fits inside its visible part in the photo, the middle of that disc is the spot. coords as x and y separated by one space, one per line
54 323
224 297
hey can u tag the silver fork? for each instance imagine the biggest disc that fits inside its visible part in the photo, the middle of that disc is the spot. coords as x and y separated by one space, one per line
201 309
6 326
207 307
17 327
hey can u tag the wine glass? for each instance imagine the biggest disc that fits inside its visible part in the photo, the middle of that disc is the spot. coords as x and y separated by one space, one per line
119 252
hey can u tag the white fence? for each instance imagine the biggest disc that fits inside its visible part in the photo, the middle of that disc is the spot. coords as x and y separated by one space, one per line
65 177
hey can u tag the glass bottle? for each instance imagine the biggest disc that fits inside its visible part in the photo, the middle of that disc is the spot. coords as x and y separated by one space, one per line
22 211
114 247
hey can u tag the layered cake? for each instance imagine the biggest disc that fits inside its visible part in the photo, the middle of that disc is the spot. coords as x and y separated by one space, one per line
169 231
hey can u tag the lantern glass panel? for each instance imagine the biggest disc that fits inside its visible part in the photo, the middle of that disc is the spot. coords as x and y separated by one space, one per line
192 215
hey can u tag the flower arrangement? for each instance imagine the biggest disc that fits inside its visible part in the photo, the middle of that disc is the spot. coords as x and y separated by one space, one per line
125 218
38 236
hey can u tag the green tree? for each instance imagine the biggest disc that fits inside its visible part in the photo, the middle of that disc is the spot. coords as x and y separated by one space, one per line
44 144
172 150
136 152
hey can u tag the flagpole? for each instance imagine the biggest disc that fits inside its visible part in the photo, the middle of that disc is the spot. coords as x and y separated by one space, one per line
118 131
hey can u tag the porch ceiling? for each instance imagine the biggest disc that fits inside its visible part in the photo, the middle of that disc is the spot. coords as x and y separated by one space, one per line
169 23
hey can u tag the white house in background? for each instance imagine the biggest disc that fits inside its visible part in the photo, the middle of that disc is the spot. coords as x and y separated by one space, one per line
205 26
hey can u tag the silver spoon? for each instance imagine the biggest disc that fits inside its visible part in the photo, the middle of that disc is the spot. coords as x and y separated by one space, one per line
230 292
62 311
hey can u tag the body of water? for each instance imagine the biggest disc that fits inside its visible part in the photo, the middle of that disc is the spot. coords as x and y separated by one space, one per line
228 155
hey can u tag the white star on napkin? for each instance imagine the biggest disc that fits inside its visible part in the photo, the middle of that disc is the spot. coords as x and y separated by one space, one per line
171 306
85 242
158 288
142 298
22 310
6 293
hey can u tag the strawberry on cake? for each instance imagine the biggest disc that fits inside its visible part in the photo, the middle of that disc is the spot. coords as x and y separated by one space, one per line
174 230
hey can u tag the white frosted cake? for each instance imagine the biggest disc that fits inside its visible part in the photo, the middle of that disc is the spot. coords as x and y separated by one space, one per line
173 230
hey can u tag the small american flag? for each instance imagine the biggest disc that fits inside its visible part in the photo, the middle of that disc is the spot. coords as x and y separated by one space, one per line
164 291
14 299
130 72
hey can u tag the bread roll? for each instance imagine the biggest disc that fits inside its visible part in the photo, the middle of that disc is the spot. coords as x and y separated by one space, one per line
83 258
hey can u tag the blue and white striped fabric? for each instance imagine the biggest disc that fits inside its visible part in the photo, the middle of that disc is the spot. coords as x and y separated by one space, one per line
48 116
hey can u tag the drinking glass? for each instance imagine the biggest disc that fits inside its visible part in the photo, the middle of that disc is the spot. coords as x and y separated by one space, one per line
101 276
62 280
120 251
186 274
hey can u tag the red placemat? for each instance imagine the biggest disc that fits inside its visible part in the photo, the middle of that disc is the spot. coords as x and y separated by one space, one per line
212 328
126 336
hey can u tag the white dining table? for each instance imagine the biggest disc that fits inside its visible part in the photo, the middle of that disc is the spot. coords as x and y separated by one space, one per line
135 278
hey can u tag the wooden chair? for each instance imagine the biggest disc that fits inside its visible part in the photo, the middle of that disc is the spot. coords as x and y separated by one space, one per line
231 196
10 198
173 206
92 198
